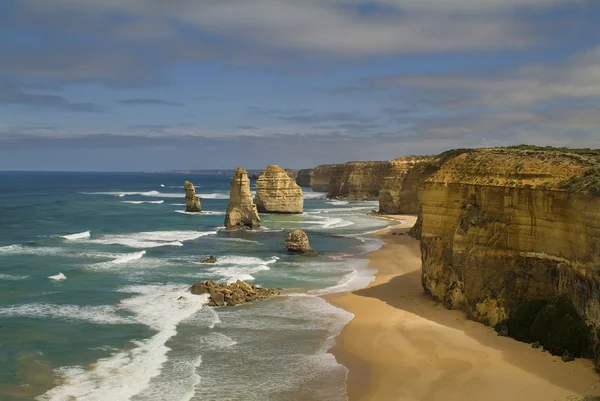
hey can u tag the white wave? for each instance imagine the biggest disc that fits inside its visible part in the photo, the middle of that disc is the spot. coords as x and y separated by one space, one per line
327 222
340 209
58 277
10 277
314 195
72 237
53 251
337 202
162 185
176 204
152 239
128 257
240 267
160 202
130 372
203 213
214 195
154 194
104 314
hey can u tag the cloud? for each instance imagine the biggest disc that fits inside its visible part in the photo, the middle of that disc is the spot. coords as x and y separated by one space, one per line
149 102
528 85
12 93
306 116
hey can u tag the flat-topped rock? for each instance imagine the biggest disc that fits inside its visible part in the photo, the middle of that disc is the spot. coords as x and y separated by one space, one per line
241 212
231 294
192 201
277 192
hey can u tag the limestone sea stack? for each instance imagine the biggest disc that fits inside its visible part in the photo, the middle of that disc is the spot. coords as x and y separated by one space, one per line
241 212
297 242
192 202
277 192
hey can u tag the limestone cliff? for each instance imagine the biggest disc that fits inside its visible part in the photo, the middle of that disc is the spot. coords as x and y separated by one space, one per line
276 192
504 226
304 177
321 176
352 180
398 192
192 202
241 212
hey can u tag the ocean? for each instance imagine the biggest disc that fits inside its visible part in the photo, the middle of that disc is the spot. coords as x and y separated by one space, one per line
114 329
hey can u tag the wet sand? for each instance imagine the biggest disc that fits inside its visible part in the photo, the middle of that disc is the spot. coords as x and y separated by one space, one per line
401 345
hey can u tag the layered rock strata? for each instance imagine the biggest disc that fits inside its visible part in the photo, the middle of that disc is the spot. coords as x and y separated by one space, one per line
223 294
505 226
352 180
241 212
276 192
297 242
192 201
304 177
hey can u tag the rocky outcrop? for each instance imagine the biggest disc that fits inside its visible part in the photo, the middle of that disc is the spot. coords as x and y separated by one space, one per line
297 242
304 177
399 188
223 294
276 192
192 201
291 173
210 259
241 212
510 229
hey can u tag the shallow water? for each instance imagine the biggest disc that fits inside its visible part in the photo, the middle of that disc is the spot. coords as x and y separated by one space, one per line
114 328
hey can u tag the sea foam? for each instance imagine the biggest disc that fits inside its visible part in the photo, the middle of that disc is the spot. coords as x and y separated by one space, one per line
130 372
152 239
73 237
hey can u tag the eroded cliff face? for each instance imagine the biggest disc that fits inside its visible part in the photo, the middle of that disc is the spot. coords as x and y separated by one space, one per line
276 192
321 176
399 188
504 226
304 177
352 180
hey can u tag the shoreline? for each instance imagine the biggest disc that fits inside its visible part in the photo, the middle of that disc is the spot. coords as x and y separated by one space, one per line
402 345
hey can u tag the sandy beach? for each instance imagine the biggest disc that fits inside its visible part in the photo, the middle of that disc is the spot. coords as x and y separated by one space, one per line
401 345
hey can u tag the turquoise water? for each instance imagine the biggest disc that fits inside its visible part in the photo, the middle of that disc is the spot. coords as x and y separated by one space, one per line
114 329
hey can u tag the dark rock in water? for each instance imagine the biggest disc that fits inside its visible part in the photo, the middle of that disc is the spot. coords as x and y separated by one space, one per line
535 344
223 294
297 242
210 259
567 357
503 332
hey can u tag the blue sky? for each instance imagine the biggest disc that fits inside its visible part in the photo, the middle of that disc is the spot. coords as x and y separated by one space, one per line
136 85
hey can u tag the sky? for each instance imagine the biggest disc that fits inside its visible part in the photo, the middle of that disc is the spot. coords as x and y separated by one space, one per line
129 85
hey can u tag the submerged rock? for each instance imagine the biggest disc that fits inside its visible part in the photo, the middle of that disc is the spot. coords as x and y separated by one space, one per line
192 202
241 212
223 294
277 192
210 259
297 242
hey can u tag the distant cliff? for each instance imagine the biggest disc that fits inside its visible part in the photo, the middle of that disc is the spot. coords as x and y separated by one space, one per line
304 177
511 229
352 180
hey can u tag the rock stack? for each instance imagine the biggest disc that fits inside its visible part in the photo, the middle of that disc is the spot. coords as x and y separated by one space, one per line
241 212
276 192
297 242
192 202
222 294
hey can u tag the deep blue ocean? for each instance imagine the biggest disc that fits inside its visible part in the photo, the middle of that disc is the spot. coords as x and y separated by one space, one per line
114 329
